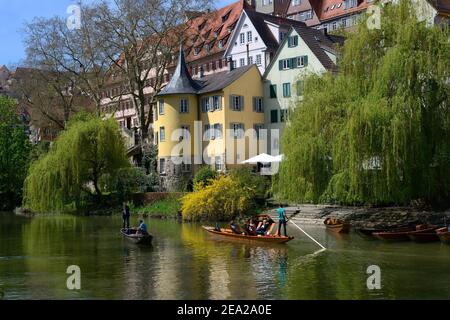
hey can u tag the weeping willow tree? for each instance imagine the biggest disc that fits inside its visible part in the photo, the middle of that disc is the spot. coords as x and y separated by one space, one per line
86 151
378 132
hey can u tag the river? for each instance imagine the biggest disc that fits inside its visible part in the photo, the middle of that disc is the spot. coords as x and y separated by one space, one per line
185 262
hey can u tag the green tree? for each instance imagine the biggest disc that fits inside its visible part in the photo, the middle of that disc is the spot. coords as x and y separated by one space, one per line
378 132
204 177
83 154
14 153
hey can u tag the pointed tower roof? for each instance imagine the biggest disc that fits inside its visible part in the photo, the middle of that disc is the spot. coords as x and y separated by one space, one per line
181 81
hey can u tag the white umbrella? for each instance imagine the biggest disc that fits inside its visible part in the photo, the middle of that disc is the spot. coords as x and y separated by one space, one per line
279 158
263 158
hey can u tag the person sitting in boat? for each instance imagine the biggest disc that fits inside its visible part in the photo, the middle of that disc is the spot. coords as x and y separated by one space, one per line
142 229
234 227
264 227
251 228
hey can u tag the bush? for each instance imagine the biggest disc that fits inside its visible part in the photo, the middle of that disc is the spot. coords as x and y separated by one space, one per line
247 179
223 199
203 177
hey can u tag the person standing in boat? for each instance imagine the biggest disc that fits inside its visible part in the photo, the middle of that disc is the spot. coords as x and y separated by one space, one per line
282 220
126 216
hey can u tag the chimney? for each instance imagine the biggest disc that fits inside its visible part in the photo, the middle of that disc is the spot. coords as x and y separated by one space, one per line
230 64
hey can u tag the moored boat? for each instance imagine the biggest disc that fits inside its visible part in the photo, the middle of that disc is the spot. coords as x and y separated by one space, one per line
230 234
443 234
404 233
428 236
336 225
130 234
368 232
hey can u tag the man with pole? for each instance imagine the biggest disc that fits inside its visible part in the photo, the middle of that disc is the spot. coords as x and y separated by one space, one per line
282 220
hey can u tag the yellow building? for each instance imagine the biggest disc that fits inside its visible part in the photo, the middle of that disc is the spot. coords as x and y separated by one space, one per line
216 120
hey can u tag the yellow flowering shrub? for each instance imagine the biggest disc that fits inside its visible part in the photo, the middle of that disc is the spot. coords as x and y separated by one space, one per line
223 199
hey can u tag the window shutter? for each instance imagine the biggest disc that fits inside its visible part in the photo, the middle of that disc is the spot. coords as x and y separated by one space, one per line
220 102
254 103
305 60
280 64
289 41
231 102
293 63
241 102
295 41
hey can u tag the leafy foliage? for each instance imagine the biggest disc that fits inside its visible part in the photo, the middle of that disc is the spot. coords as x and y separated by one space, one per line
222 199
14 154
126 181
86 151
377 133
203 177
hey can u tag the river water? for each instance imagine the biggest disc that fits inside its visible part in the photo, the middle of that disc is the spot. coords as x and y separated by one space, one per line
185 262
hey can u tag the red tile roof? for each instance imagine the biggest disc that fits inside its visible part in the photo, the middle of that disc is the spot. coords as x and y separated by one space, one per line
331 9
206 31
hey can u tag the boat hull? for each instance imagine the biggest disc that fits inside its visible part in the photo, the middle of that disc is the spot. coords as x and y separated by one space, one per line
443 235
337 227
137 239
424 237
230 235
405 235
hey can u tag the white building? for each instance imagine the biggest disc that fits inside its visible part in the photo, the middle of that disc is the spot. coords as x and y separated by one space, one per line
256 38
304 51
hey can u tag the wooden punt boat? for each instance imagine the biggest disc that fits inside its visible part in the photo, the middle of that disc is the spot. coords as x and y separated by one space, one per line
230 234
336 225
130 234
368 232
443 235
403 234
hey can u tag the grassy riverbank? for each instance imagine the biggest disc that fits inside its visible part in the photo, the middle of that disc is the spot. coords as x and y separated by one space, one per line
167 208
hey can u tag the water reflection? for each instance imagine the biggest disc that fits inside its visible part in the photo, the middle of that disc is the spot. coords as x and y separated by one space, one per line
187 263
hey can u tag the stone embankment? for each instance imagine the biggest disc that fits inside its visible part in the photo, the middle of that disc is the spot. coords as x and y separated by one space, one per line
363 217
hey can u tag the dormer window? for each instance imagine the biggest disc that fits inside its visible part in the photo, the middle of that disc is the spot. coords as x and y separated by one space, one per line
197 50
206 35
217 32
226 16
202 25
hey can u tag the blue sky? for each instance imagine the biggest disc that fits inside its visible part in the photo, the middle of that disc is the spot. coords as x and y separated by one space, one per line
13 15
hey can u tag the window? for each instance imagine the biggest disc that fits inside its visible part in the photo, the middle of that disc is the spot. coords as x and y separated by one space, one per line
162 166
258 104
283 115
220 45
301 61
292 41
161 107
207 134
242 38
155 113
237 130
162 134
205 104
242 62
216 103
273 116
250 60
300 87
286 90
273 90
249 36
236 103
258 59
186 167
184 105
197 51
351 4
218 164
234 64
258 127
296 2
217 131
285 64
305 15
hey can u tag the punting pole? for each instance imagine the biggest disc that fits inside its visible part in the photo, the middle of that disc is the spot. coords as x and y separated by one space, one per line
317 242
